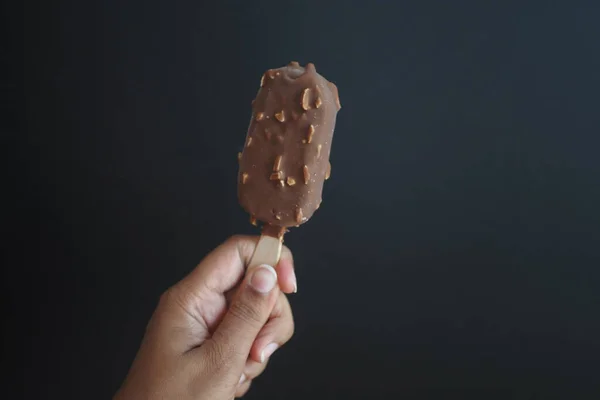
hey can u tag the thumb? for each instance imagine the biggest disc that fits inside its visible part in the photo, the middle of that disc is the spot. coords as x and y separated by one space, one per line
249 311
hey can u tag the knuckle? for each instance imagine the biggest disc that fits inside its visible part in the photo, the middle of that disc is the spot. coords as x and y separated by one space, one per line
180 296
171 298
237 241
246 313
166 297
233 240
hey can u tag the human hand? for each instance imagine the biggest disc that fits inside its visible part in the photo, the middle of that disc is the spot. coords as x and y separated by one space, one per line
213 332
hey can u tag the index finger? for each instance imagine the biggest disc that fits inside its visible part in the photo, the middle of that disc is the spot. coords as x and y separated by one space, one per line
223 268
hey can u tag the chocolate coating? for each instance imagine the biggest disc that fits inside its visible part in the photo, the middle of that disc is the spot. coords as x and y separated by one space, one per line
286 157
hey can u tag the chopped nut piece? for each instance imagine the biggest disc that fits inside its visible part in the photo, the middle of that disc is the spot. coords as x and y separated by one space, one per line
275 176
260 116
280 116
239 155
249 141
291 181
305 100
253 220
277 163
271 74
328 172
311 132
306 174
244 178
281 184
262 80
319 151
318 102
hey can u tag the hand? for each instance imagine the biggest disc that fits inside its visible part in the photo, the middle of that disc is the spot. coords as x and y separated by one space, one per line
213 332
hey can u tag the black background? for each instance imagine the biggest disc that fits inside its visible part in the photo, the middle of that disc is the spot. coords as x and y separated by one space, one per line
456 253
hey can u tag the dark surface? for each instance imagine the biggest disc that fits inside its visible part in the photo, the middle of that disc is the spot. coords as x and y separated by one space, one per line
456 253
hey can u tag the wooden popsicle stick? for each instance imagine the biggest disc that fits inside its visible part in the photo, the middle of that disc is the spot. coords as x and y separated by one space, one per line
268 251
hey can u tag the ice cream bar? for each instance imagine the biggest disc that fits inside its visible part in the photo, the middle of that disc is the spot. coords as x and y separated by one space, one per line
285 160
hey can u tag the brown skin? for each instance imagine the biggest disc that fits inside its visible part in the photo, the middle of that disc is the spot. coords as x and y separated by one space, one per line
207 334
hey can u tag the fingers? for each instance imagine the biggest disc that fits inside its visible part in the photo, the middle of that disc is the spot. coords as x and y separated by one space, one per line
285 271
251 371
243 388
249 311
193 308
275 333
223 268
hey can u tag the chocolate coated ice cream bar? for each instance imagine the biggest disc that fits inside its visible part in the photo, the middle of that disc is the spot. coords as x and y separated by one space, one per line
285 160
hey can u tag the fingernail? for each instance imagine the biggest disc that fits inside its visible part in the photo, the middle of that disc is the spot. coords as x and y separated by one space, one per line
295 283
242 379
267 351
263 278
